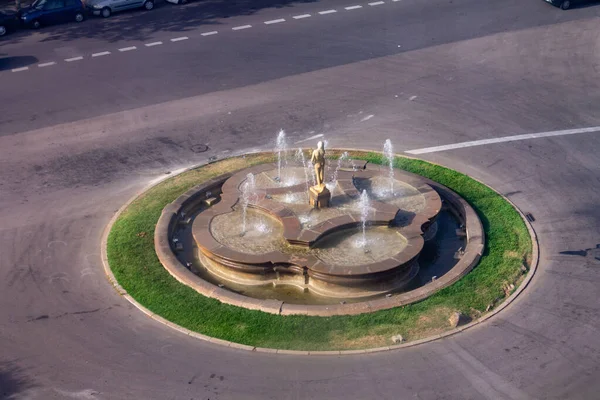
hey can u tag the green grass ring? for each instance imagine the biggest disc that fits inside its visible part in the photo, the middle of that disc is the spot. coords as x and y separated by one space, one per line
133 261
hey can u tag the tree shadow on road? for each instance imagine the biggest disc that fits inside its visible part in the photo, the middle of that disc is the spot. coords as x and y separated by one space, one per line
13 382
140 25
8 63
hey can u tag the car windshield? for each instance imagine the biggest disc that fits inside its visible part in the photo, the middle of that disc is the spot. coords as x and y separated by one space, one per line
38 3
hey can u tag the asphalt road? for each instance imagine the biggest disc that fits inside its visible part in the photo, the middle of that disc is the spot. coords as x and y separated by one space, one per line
79 138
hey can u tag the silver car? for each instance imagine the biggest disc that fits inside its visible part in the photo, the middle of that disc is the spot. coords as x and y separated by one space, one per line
107 7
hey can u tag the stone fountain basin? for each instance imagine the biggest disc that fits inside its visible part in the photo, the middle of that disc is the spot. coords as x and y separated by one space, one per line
210 198
295 248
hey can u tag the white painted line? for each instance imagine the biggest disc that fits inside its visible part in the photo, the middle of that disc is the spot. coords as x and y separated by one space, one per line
352 8
209 33
274 21
237 28
179 39
104 53
73 59
368 117
327 12
377 3
310 138
301 16
20 69
503 139
46 64
153 44
127 48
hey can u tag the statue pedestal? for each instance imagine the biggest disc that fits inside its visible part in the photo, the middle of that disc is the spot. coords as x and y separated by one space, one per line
319 196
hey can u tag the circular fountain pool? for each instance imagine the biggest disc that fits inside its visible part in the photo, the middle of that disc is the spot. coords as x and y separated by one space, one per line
252 238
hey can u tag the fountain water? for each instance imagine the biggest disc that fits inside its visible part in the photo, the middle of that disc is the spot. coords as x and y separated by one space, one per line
281 147
344 157
364 215
247 191
302 159
388 152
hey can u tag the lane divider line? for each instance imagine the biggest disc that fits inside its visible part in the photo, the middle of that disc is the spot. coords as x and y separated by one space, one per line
270 22
513 138
274 21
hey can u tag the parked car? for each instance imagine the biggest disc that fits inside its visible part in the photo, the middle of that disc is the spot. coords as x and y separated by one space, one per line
107 7
8 22
46 12
565 4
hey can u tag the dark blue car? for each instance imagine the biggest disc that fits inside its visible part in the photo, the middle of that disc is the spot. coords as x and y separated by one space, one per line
47 12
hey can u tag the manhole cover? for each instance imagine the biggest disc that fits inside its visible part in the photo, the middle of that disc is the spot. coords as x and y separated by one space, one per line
199 148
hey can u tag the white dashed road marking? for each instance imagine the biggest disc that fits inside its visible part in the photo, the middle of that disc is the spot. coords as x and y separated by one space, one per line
503 139
237 28
274 21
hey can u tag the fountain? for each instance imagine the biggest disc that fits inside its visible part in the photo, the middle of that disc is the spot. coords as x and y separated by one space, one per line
388 152
300 157
344 157
260 237
364 217
247 191
281 148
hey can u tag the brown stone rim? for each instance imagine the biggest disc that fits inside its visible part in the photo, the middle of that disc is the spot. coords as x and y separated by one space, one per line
111 278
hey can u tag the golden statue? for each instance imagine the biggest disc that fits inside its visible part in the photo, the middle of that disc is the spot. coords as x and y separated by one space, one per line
319 195
318 160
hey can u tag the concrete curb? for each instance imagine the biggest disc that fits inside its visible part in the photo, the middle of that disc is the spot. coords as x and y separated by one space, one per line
111 278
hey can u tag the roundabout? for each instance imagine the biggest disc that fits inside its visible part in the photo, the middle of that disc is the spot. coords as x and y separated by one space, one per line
505 93
241 231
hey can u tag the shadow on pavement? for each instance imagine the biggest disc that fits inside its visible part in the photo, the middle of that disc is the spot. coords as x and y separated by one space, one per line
12 382
8 63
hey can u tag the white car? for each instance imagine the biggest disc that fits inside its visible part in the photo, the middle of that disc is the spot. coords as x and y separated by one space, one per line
107 7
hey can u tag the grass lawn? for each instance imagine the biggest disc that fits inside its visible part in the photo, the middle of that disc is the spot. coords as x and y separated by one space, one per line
135 265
